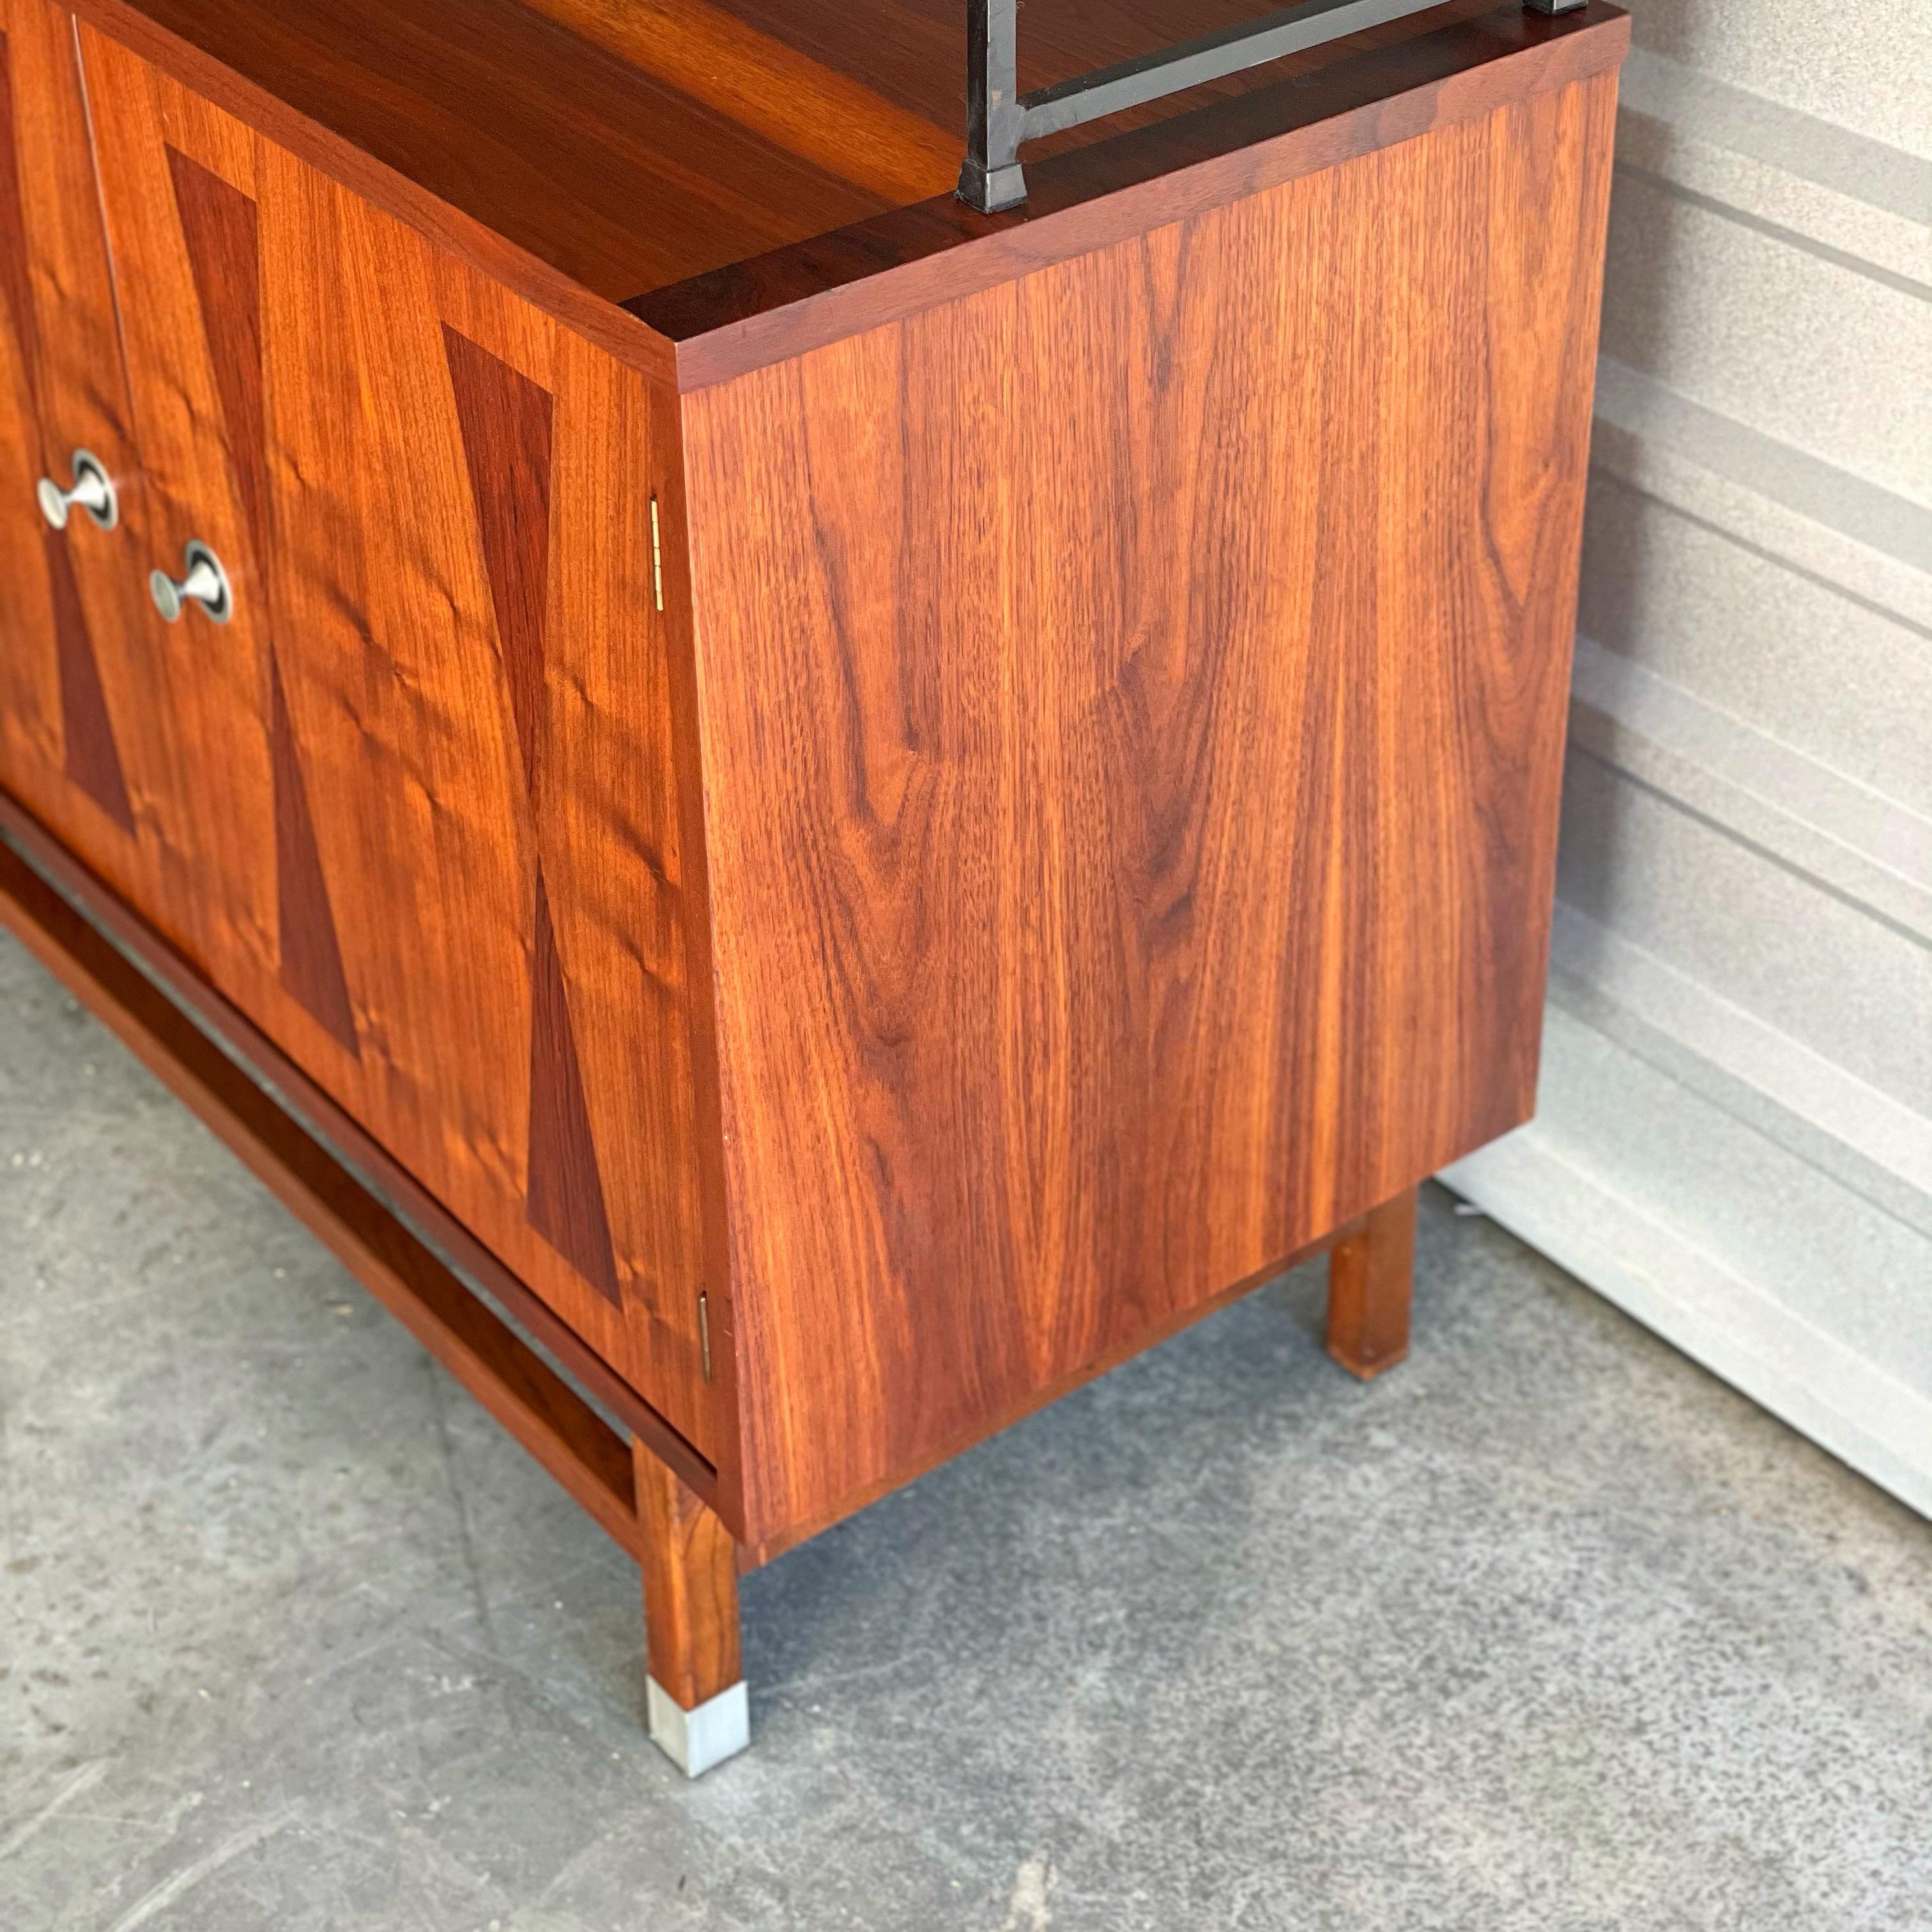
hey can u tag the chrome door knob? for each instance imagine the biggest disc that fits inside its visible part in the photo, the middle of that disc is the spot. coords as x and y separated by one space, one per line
93 490
206 583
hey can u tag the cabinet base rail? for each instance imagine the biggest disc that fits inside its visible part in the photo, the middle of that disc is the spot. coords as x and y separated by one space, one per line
648 1489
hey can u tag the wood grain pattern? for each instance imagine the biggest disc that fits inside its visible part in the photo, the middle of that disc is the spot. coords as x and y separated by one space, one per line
1371 1277
825 114
467 919
690 1588
801 1528
1133 711
539 133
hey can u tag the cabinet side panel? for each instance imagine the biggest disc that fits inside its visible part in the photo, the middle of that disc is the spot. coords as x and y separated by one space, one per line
1133 710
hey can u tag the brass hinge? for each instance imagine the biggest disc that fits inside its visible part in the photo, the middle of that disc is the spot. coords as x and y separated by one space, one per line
657 590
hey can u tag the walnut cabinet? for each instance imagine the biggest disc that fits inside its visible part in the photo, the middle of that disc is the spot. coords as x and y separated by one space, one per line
795 816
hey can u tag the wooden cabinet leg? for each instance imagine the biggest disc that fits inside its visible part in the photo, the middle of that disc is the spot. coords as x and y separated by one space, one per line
1370 1271
699 1713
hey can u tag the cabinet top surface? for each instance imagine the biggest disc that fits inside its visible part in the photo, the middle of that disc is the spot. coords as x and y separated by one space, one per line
635 145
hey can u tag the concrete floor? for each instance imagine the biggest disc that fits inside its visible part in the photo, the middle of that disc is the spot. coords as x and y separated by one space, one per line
1547 1629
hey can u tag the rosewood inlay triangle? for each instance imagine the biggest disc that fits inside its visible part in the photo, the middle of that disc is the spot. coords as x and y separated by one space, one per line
506 422
566 1192
92 761
311 957
221 228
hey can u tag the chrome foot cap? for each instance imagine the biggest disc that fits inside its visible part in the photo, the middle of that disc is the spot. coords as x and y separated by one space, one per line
694 1741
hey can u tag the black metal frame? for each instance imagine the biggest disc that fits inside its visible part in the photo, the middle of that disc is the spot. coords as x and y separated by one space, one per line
999 117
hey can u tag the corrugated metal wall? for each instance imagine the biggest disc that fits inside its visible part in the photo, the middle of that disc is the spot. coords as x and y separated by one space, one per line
1735 1139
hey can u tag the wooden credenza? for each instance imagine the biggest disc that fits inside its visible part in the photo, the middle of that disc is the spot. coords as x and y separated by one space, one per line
795 817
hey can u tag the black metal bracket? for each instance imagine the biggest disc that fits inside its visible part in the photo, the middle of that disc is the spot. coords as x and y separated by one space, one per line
999 117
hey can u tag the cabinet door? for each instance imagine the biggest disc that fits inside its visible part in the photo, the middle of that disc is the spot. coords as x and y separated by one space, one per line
62 734
112 730
434 504
55 734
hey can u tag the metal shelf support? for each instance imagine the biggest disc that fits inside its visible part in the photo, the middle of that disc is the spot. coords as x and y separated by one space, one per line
999 118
